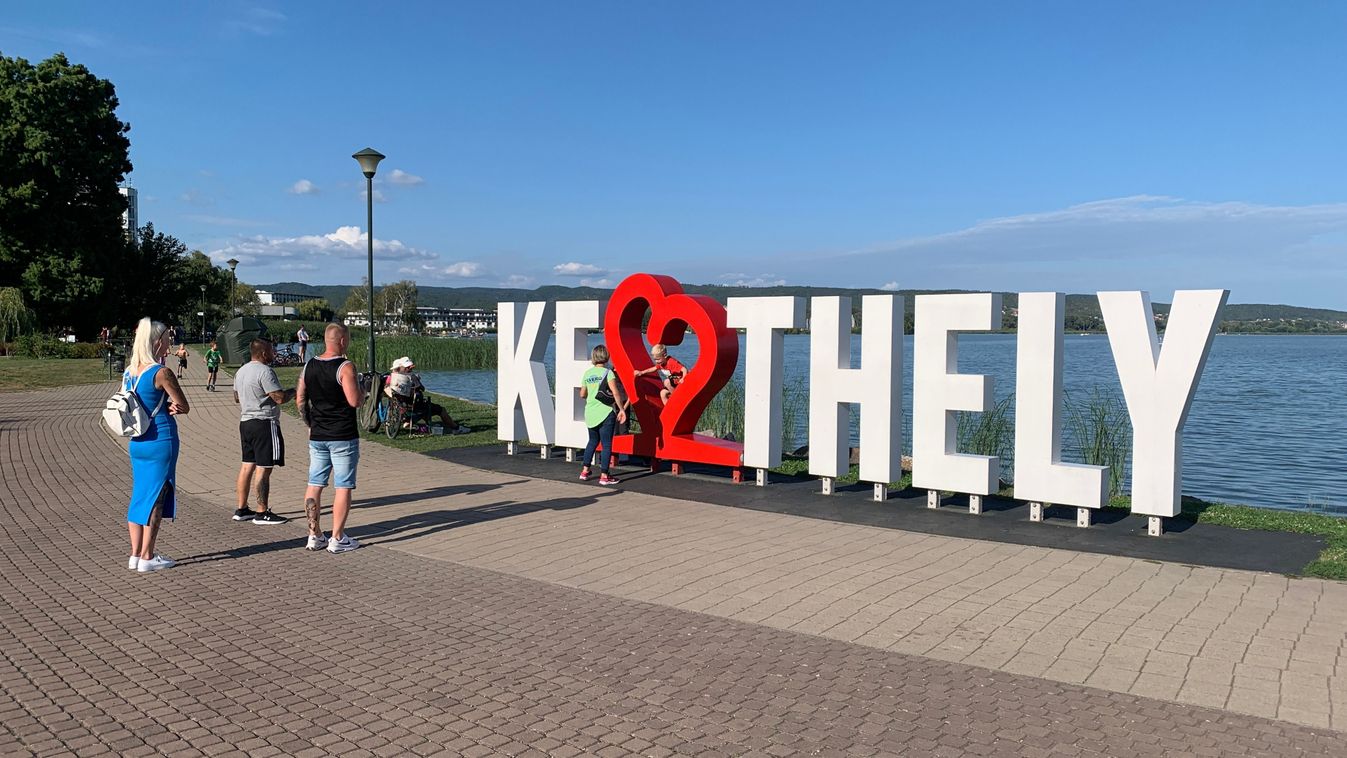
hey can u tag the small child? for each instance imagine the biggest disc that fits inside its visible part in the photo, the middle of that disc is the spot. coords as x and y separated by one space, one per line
670 371
182 359
212 366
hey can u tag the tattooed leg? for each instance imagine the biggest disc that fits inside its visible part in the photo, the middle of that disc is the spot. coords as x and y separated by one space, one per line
264 489
311 509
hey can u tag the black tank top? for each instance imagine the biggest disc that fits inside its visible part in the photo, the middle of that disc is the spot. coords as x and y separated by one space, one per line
331 418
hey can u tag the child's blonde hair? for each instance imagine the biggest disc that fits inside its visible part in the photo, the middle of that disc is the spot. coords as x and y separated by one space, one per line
599 355
658 349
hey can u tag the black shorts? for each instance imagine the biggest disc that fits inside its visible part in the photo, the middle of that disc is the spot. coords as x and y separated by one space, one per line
182 363
262 442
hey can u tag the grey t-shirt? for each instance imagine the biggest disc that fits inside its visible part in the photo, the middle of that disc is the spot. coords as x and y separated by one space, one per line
252 382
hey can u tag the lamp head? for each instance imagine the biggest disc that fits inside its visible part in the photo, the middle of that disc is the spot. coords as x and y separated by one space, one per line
369 161
233 263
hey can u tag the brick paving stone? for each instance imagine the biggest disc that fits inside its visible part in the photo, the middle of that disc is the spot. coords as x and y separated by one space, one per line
403 639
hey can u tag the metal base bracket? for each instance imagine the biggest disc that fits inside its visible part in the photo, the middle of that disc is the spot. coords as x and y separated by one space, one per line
827 483
1036 511
932 498
975 505
761 479
545 451
571 456
512 448
1155 526
1083 516
881 492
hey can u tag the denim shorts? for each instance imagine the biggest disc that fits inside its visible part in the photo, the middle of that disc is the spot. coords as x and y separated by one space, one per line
336 458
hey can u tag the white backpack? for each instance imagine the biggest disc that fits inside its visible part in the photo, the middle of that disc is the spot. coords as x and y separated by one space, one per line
125 414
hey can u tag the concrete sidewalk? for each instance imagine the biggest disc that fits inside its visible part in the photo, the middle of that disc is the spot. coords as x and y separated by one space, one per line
487 590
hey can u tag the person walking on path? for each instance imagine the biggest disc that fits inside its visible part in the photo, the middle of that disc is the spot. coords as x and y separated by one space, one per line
154 454
603 412
259 396
328 395
212 366
302 337
181 352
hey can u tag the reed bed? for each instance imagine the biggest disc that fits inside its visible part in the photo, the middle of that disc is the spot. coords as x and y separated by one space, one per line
429 353
1099 432
991 432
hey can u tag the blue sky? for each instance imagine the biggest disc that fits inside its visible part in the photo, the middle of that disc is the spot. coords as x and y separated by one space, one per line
1028 146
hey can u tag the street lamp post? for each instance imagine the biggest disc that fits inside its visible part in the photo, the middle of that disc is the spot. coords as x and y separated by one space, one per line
233 283
203 314
369 163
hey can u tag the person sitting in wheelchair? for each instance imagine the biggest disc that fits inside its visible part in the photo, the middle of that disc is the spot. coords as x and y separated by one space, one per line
405 386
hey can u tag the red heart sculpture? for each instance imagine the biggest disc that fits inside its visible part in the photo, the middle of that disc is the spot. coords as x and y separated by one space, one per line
667 431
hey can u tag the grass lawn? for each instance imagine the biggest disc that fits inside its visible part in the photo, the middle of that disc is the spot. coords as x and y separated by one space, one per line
19 374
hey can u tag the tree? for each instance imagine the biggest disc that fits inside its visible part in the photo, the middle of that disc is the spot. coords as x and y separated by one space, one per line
245 300
64 151
398 300
316 309
13 313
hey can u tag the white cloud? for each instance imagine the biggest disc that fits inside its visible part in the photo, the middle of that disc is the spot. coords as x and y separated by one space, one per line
314 250
518 280
263 22
400 177
379 196
203 218
460 270
745 280
604 282
1262 253
303 187
197 198
889 286
578 269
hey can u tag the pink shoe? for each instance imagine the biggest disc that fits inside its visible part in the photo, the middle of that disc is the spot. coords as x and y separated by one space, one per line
584 474
605 479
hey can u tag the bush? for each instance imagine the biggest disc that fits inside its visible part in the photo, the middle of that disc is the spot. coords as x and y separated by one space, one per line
47 346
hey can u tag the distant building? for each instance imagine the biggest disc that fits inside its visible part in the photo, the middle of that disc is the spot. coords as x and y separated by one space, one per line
130 216
451 319
280 304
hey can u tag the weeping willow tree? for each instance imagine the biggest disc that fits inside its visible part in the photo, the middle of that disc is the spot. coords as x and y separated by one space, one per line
13 313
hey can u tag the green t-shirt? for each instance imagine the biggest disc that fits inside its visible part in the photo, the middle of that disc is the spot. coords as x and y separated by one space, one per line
212 359
595 412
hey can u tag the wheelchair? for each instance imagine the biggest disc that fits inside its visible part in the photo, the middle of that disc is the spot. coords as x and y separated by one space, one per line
397 411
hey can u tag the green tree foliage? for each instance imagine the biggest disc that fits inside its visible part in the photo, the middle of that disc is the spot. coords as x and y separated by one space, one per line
316 309
64 152
13 313
399 299
245 300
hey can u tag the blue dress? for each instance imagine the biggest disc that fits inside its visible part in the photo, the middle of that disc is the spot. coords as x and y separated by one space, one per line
154 454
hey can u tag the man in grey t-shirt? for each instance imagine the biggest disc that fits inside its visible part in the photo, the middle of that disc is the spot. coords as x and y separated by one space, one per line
260 396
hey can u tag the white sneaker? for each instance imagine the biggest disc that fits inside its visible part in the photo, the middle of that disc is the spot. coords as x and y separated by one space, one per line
316 542
157 563
345 544
133 563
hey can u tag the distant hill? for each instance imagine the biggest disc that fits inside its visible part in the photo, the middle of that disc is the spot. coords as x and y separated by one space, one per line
1082 311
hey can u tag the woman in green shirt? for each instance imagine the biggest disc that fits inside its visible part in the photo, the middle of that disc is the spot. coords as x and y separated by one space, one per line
603 412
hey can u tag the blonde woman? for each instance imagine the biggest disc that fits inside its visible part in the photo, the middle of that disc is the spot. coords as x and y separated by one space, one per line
154 454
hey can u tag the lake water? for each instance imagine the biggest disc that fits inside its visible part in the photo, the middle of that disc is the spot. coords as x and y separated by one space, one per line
1268 426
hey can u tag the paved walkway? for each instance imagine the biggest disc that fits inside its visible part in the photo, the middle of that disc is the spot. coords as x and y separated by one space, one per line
492 614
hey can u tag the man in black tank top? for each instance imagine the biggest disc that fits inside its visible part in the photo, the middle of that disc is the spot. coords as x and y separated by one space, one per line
328 395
